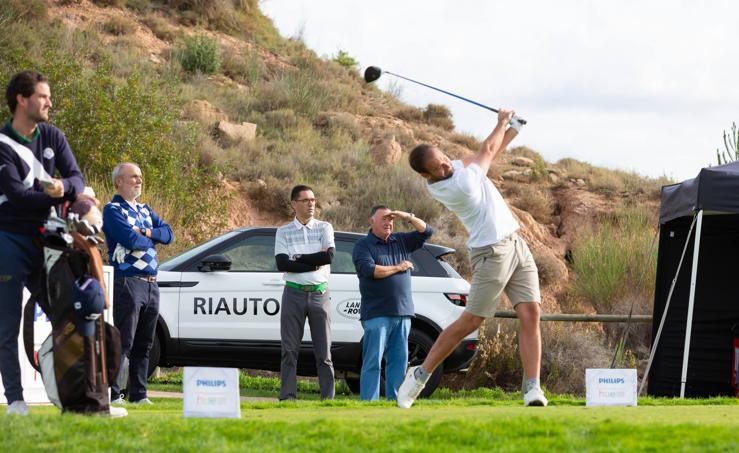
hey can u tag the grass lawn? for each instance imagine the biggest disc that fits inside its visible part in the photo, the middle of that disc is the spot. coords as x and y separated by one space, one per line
454 422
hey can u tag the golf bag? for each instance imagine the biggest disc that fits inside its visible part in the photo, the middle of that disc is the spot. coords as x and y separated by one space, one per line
75 368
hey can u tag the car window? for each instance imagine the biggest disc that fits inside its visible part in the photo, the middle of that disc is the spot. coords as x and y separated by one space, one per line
255 254
342 262
186 256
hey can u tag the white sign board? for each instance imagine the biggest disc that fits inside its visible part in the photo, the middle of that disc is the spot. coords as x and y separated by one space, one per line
211 392
33 387
610 387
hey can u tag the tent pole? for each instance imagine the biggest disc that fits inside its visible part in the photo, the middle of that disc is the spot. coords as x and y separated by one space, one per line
691 302
664 312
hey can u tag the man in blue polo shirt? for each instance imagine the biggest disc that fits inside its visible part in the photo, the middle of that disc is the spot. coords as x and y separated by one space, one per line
31 153
382 260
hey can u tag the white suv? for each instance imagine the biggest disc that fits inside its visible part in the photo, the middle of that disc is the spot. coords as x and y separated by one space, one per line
220 306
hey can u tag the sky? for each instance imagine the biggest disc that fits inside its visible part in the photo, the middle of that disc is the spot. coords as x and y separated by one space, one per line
643 86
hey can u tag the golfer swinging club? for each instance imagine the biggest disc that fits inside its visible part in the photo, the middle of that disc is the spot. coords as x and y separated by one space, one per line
501 260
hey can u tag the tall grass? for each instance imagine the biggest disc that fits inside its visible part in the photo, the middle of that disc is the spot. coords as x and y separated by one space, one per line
616 259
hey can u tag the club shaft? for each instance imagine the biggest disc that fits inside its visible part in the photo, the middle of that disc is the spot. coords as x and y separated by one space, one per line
446 92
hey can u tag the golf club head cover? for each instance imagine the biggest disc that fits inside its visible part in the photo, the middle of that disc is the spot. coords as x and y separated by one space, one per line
516 123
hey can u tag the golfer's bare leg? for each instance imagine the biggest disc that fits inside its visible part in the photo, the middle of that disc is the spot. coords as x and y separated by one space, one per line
529 338
449 339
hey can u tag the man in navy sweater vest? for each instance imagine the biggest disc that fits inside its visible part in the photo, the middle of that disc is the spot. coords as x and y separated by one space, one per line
31 152
131 231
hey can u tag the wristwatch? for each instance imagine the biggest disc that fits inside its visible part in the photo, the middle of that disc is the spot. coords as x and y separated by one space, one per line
144 231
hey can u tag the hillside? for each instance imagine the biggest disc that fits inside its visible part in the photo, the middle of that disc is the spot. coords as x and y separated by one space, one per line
171 83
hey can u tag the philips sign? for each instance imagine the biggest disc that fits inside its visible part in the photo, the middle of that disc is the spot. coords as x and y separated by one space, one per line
610 387
211 392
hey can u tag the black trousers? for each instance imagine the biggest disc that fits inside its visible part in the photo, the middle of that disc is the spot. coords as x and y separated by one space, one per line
135 314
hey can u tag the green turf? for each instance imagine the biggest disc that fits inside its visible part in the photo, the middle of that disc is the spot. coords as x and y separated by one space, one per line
453 424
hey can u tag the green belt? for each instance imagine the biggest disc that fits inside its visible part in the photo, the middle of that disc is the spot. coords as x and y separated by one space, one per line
321 287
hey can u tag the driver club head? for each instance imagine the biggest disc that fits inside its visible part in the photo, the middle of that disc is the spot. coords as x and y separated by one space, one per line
372 73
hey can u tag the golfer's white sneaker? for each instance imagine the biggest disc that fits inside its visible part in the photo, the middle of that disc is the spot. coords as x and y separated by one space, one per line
142 402
117 412
535 397
17 407
119 401
409 389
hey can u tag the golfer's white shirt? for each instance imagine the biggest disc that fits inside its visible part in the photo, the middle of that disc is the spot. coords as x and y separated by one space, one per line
474 199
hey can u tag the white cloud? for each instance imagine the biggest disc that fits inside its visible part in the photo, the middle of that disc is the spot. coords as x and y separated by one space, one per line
643 86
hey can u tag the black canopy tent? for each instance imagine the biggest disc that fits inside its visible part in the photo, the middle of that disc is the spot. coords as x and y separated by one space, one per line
697 290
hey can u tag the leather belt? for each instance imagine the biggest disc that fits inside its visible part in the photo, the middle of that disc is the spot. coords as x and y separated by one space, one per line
147 278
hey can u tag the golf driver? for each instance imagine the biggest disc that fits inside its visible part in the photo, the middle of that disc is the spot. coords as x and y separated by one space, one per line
373 73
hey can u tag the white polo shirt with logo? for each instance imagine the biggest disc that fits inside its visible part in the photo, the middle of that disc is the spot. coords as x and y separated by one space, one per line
470 195
298 239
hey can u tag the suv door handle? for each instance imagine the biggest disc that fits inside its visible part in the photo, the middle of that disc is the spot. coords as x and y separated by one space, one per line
274 283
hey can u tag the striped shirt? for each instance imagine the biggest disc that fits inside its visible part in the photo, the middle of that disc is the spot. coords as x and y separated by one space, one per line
298 239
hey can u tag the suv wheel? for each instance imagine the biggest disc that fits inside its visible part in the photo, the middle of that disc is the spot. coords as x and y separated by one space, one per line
419 345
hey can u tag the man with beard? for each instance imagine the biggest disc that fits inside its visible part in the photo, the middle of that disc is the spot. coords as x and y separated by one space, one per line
31 152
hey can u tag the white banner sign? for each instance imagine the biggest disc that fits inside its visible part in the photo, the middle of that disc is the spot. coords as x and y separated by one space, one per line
610 387
33 387
211 392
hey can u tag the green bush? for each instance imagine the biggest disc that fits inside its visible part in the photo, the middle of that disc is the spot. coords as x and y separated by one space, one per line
344 59
200 54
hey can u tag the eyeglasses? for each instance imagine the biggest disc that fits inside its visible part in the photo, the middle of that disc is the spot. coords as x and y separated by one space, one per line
306 200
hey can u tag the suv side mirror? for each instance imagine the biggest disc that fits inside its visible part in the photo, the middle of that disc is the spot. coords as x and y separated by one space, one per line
214 263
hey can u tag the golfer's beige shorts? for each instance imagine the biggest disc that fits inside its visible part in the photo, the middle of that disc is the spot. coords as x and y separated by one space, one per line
506 266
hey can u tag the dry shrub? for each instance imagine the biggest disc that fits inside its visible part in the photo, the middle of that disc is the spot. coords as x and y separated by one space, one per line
337 123
119 25
118 3
609 182
272 196
525 151
139 6
410 114
210 152
567 350
244 67
281 119
469 141
550 268
497 363
439 115
536 201
575 168
160 27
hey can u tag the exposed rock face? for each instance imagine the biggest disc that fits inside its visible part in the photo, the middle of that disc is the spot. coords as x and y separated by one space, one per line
204 113
386 152
521 161
516 175
232 134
